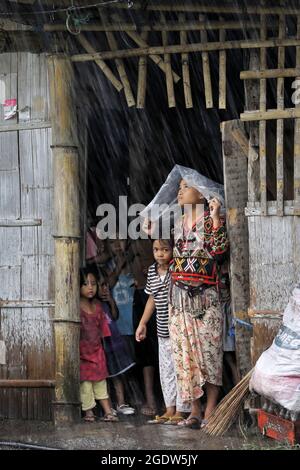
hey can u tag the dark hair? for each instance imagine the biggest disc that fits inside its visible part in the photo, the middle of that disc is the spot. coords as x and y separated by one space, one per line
102 273
84 272
166 242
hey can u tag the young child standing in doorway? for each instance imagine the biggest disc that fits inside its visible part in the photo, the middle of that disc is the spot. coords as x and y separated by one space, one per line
158 282
93 368
122 282
118 356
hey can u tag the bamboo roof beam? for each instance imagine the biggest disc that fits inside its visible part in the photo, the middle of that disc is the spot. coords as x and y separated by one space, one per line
142 78
169 77
206 70
154 57
225 9
181 48
280 122
270 73
297 131
168 26
121 70
185 69
262 123
119 63
101 64
287 113
222 73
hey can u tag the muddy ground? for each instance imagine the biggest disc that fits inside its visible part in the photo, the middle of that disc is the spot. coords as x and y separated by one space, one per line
129 434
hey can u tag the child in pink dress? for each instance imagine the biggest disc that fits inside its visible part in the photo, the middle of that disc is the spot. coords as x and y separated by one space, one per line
93 368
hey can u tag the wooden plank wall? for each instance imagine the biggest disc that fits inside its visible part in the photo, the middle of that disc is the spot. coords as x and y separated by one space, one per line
235 152
274 243
274 252
26 256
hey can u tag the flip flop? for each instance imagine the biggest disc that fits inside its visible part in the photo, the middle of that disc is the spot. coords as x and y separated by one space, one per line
193 422
174 420
159 420
109 417
203 423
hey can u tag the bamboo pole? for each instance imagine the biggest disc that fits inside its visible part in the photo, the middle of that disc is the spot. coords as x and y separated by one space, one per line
297 133
279 122
288 113
169 26
154 57
168 67
206 70
252 102
226 9
142 78
222 73
121 70
262 123
185 70
179 49
66 407
101 64
271 73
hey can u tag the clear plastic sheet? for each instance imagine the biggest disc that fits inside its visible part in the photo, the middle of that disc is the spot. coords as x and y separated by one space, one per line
166 197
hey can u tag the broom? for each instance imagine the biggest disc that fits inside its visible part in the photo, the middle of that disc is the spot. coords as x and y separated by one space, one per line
228 409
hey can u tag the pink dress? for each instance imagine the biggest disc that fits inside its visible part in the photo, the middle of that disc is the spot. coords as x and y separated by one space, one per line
94 326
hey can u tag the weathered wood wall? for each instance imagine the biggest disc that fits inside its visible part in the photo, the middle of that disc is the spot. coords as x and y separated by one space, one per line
26 255
235 152
274 252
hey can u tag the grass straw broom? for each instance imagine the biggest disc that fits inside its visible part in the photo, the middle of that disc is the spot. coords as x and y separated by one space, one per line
228 409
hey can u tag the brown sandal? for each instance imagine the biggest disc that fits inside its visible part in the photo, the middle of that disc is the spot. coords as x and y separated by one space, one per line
89 418
193 422
109 417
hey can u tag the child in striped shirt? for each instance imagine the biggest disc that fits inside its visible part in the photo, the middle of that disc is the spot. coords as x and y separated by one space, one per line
158 282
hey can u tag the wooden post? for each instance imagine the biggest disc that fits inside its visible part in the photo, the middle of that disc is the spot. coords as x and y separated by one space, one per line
297 135
222 72
206 70
154 57
66 407
121 70
235 153
101 64
142 78
168 67
252 102
262 124
185 70
279 122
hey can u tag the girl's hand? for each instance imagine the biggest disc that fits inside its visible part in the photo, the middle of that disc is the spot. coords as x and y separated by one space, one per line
106 297
141 333
214 208
148 227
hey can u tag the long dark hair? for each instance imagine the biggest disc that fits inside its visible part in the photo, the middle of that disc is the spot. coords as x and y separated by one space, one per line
84 272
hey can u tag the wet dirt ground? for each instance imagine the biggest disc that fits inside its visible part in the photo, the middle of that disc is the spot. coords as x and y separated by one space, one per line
129 434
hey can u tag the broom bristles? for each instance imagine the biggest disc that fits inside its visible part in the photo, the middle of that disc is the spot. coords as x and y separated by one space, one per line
228 409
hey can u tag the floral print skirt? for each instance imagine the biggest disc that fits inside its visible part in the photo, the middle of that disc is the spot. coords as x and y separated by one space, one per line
197 343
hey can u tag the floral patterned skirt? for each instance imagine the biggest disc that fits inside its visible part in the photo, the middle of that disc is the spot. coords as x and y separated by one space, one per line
196 342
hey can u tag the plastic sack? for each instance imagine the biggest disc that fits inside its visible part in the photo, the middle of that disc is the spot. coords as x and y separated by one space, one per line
167 195
276 375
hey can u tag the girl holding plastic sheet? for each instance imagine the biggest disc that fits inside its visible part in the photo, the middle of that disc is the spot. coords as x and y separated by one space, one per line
195 312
